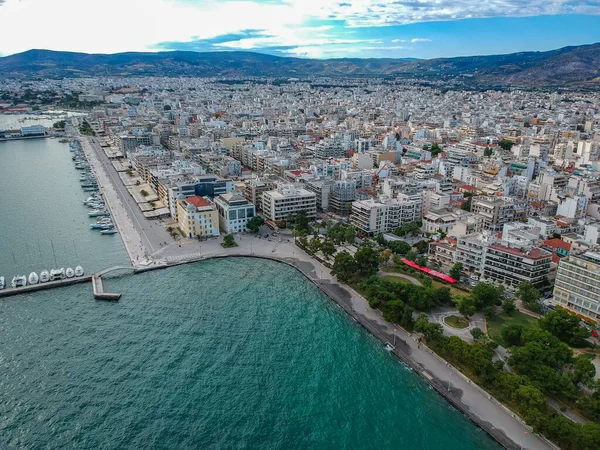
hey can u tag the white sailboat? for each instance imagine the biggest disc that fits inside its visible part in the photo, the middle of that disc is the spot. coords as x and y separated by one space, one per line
70 273
44 276
33 278
18 281
78 271
2 283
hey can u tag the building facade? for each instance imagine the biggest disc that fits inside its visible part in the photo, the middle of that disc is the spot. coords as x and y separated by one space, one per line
279 204
234 212
197 216
577 284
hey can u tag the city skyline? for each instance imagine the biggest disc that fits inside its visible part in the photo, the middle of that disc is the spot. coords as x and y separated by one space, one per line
324 29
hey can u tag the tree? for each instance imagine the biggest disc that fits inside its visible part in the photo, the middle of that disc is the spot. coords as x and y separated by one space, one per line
422 246
466 206
489 311
314 245
466 306
411 256
367 260
328 248
167 108
477 333
303 242
486 295
350 235
512 334
488 152
506 144
228 241
529 295
255 223
583 371
456 271
421 261
302 226
565 326
384 255
399 247
344 266
144 193
508 305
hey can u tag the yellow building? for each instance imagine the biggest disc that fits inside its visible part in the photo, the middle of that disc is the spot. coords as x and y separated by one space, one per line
198 216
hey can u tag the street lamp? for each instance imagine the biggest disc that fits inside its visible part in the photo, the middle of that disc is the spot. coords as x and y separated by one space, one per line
449 381
395 331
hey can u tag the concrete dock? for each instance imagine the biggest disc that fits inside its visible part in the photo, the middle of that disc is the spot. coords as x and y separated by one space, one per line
99 293
42 286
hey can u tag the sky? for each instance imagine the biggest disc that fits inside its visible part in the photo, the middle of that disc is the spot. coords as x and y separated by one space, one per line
300 28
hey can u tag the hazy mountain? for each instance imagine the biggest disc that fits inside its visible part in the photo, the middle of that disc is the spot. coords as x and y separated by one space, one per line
569 66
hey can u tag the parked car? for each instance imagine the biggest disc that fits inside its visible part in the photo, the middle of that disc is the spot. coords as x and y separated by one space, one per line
595 333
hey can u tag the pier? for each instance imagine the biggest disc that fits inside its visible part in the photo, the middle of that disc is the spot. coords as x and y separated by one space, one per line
99 293
42 286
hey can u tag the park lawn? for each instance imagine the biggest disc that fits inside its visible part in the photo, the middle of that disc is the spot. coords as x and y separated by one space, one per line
497 323
436 284
456 322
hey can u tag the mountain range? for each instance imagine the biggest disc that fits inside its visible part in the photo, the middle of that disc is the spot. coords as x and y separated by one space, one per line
568 67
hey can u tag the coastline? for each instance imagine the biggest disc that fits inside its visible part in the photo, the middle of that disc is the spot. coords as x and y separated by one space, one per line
344 297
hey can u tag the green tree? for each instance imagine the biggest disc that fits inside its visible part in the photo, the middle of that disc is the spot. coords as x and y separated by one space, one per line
466 306
399 247
344 266
421 261
456 271
512 334
477 333
583 371
565 326
314 245
411 256
303 242
367 260
328 248
488 152
255 223
506 144
144 193
529 295
486 295
508 305
229 241
466 206
422 246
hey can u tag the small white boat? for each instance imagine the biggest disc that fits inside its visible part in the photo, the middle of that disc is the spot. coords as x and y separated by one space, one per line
57 274
18 281
69 273
2 283
44 276
78 271
33 278
109 231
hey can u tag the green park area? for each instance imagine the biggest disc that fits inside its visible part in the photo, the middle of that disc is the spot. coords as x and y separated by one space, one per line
497 323
456 321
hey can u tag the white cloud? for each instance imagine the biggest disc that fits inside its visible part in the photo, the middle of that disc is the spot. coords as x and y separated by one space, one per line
420 40
398 40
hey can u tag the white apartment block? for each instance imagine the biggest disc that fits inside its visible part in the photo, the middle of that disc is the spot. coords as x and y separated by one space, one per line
234 212
577 284
281 203
382 216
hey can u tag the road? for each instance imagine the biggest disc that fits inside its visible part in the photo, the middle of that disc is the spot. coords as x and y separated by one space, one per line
142 237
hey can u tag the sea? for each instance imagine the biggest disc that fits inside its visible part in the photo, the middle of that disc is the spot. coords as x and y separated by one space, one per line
233 353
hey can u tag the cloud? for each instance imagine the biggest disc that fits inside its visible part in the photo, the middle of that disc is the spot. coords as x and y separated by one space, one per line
420 40
398 40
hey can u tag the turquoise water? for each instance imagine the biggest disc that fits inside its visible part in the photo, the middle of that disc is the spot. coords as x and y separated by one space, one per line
40 205
236 353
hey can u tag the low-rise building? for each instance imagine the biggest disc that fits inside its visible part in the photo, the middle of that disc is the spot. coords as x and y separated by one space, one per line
197 216
511 266
234 212
496 211
443 252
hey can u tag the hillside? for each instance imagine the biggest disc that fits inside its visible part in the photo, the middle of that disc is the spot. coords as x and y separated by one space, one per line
565 67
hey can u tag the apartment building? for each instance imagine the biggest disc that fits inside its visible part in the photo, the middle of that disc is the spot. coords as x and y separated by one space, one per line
443 253
496 211
577 284
471 251
287 200
254 190
511 266
197 216
380 216
234 212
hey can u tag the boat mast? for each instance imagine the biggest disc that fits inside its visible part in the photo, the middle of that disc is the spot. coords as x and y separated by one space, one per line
53 253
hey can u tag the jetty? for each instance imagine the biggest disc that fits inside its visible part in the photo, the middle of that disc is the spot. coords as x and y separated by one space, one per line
99 293
41 286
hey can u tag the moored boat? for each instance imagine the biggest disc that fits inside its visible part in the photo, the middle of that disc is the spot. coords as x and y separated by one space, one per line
57 274
33 278
78 271
18 281
109 231
69 273
44 276
2 283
